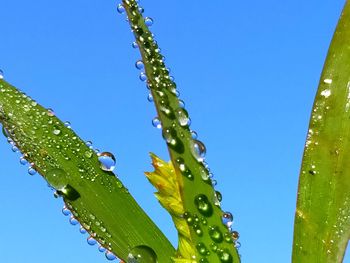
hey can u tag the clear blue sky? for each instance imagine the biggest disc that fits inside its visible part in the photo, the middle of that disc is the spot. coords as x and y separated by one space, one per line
247 71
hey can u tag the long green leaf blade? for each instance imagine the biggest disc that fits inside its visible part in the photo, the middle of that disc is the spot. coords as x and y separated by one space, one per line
322 220
212 239
95 197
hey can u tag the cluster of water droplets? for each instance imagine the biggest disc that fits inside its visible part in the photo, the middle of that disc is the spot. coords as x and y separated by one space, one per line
85 228
161 86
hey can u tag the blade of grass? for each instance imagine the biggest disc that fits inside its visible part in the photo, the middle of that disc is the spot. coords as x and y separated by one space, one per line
96 197
322 219
212 239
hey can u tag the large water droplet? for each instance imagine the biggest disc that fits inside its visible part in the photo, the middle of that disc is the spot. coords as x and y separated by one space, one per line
142 254
107 161
148 21
198 150
182 117
1 74
57 178
203 205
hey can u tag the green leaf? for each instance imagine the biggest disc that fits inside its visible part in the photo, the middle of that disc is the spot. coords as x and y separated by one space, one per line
213 240
322 220
96 197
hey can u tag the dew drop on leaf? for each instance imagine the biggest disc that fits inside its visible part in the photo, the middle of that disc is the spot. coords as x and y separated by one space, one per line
120 9
182 117
156 123
31 170
134 44
203 205
65 211
215 234
102 249
110 256
142 254
73 221
139 64
91 241
198 150
148 21
107 161
227 219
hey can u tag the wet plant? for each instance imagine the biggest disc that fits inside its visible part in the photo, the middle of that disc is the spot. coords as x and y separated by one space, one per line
96 199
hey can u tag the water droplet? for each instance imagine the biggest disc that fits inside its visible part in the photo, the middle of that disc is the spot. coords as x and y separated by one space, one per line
22 160
73 221
148 21
237 244
91 241
170 136
225 256
201 248
134 44
215 234
198 150
56 131
82 230
107 161
31 170
101 249
182 117
67 124
65 211
227 219
235 235
150 97
1 74
139 64
218 196
120 9
57 178
14 149
156 123
203 205
189 218
142 254
181 104
50 112
110 256
194 135
143 76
